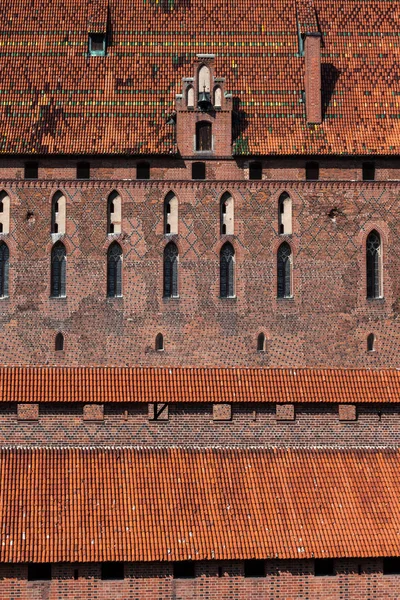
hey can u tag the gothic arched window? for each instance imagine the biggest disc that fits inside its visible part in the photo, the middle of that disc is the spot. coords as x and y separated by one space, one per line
114 213
227 271
374 267
285 214
284 271
58 213
4 267
171 214
227 225
4 213
114 271
171 256
58 270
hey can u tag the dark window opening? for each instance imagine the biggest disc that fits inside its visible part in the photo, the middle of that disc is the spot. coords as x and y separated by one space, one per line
254 568
159 342
184 570
371 342
111 228
261 342
368 171
391 566
220 571
223 229
255 170
1 207
167 228
97 44
59 342
227 271
31 170
1 227
83 170
143 171
112 570
373 265
203 136
171 271
76 574
284 271
312 171
323 567
39 572
112 208
114 271
198 170
58 270
4 268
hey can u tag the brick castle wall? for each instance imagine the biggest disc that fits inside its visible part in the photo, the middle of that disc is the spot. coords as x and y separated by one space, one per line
354 578
325 324
250 424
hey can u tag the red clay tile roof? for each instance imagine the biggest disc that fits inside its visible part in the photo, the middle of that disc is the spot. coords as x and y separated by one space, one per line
147 384
172 504
54 99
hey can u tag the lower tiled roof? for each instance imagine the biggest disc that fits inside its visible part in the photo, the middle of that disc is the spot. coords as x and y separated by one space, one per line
172 504
114 384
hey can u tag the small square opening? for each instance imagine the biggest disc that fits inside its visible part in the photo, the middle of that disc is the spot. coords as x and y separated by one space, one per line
254 568
184 570
39 572
255 170
83 170
391 566
368 171
143 171
312 171
198 170
323 567
112 570
31 170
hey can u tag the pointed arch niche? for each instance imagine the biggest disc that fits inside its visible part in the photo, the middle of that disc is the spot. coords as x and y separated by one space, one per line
171 214
114 213
4 213
285 214
227 214
58 213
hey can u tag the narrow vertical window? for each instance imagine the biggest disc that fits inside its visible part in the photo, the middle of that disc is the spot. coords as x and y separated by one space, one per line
170 214
255 170
58 213
261 343
97 44
114 271
285 214
203 136
312 171
59 345
217 97
190 97
368 171
4 213
374 268
4 268
83 170
159 342
58 270
143 170
227 215
227 271
114 213
371 342
284 271
171 256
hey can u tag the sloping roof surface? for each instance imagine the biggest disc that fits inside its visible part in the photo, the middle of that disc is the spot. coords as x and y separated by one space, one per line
115 384
55 99
174 504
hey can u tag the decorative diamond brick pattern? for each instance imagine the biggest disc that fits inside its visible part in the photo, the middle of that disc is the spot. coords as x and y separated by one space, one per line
209 504
56 99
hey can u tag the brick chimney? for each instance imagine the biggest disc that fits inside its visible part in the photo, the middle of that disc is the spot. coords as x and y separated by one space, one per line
312 51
